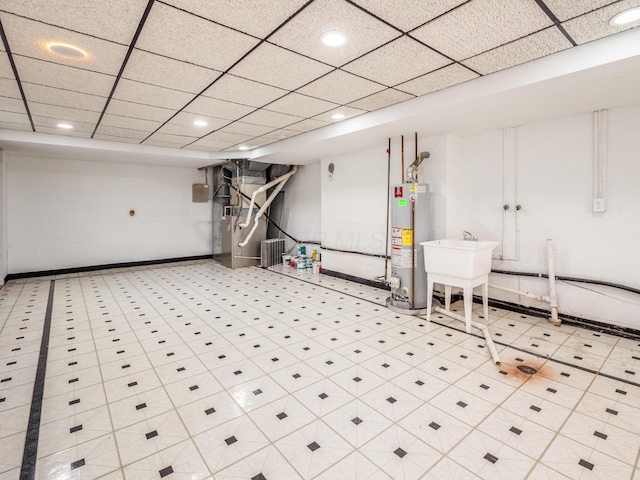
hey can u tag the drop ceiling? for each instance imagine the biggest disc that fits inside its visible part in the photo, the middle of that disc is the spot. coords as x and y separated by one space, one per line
256 71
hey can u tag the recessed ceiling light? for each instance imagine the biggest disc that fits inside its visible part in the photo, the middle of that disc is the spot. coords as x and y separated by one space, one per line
65 126
628 16
200 123
67 51
338 116
282 136
334 39
243 147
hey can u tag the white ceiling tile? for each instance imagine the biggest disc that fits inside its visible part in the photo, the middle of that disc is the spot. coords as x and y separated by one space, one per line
565 10
175 140
300 105
24 126
135 110
303 33
159 143
5 68
443 78
255 17
279 67
408 14
481 25
60 76
9 88
114 138
240 90
128 123
226 137
30 39
146 94
397 62
307 125
281 134
271 119
382 99
183 36
115 20
169 73
348 112
212 107
49 125
186 119
540 44
176 128
121 132
63 113
10 104
254 143
17 118
66 133
247 129
341 87
595 25
63 98
208 144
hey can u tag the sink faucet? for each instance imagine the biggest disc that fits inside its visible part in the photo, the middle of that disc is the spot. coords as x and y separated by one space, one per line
468 236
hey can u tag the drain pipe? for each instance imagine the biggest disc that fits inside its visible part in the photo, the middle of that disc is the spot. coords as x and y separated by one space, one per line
551 299
263 188
480 326
282 179
386 250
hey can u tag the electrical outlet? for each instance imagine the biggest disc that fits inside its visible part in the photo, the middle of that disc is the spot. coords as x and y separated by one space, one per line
598 205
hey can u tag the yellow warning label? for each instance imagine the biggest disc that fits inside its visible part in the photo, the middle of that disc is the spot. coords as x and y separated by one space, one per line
413 188
407 236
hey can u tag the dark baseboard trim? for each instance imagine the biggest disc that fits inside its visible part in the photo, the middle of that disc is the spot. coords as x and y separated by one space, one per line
354 279
93 268
585 323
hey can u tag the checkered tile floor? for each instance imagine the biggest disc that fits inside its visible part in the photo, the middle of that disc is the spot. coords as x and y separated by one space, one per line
195 371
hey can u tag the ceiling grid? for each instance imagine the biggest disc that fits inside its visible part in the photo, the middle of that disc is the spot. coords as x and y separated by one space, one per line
215 75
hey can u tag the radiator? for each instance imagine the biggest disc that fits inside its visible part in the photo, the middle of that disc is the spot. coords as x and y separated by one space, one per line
271 252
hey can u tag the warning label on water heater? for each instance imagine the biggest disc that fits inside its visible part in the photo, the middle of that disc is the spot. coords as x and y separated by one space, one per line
407 237
401 257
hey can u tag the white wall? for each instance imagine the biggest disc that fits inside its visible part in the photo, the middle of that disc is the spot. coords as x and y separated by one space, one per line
63 213
354 201
3 229
545 167
301 214
554 185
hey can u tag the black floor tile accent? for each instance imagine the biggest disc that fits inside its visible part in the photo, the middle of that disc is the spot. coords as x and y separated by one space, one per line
165 471
400 452
585 464
491 458
29 456
313 446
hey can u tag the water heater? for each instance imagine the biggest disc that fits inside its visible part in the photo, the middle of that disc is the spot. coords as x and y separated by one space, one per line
410 205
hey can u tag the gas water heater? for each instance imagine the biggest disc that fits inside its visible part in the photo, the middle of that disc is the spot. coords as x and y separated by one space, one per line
410 224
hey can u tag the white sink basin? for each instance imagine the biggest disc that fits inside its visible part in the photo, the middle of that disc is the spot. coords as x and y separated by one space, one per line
462 259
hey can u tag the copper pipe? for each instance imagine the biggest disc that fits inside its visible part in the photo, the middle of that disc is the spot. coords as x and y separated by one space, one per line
416 155
402 141
413 251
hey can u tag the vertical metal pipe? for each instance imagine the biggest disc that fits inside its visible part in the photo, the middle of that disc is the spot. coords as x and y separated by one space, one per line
413 250
416 156
386 250
402 148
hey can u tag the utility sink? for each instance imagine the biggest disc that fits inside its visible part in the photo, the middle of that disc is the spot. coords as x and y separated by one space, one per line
460 259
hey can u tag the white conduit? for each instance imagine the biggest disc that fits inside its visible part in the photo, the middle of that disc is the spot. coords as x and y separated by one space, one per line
265 187
483 328
282 180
